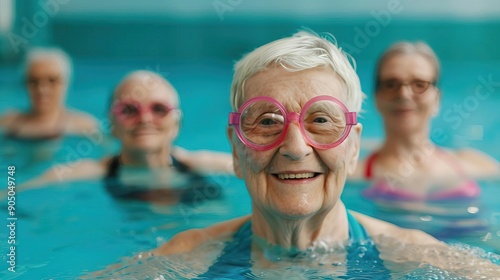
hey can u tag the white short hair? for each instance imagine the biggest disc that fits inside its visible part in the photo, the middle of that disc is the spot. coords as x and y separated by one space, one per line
146 80
304 50
57 54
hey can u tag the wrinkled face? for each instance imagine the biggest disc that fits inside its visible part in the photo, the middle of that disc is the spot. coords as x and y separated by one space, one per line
406 107
295 180
46 84
151 127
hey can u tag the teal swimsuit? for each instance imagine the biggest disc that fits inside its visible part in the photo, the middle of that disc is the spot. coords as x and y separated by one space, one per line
363 261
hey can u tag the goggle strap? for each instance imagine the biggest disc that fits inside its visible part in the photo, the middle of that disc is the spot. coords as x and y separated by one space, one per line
351 118
234 118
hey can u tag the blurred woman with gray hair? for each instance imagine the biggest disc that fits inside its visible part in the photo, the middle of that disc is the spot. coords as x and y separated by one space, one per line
47 75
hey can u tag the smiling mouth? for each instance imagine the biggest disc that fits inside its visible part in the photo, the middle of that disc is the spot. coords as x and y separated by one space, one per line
296 176
144 132
403 111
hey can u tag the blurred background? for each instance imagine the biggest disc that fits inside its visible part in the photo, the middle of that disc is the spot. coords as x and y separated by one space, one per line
194 43
224 29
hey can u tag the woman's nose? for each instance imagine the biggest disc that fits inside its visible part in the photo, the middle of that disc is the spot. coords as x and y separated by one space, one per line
294 144
145 116
405 90
41 87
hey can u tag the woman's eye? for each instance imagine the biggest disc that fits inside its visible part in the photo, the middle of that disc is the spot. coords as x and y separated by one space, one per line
391 84
419 84
130 110
320 120
53 81
267 121
160 109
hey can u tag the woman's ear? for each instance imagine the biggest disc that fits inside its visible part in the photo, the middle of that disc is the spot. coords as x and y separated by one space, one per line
177 116
354 149
236 163
435 110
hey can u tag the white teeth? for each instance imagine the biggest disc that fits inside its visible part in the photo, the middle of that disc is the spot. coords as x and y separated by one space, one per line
296 176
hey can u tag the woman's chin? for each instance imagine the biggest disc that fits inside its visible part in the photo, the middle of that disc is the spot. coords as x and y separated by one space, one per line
296 209
148 145
44 107
406 126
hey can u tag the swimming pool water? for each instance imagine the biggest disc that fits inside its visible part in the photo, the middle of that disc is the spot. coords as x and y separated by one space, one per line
70 229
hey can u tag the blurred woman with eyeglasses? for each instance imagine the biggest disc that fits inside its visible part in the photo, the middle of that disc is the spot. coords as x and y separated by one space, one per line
408 165
145 117
47 76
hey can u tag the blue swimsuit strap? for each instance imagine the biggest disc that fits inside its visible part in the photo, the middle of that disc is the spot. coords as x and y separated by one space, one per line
234 261
362 256
356 232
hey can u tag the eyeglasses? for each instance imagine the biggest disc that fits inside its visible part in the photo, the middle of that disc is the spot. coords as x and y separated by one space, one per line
393 86
45 81
261 122
131 111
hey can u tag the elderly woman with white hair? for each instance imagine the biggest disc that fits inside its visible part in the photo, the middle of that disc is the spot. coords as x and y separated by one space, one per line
47 75
295 138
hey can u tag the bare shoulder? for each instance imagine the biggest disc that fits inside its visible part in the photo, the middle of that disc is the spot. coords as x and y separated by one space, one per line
82 121
78 170
180 153
205 161
188 240
376 227
478 163
104 162
8 118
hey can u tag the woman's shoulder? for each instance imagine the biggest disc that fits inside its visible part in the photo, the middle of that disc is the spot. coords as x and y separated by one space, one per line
9 118
204 161
376 227
188 240
477 163
81 169
106 161
80 122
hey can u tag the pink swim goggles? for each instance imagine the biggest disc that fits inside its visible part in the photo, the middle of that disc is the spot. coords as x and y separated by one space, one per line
261 122
130 111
